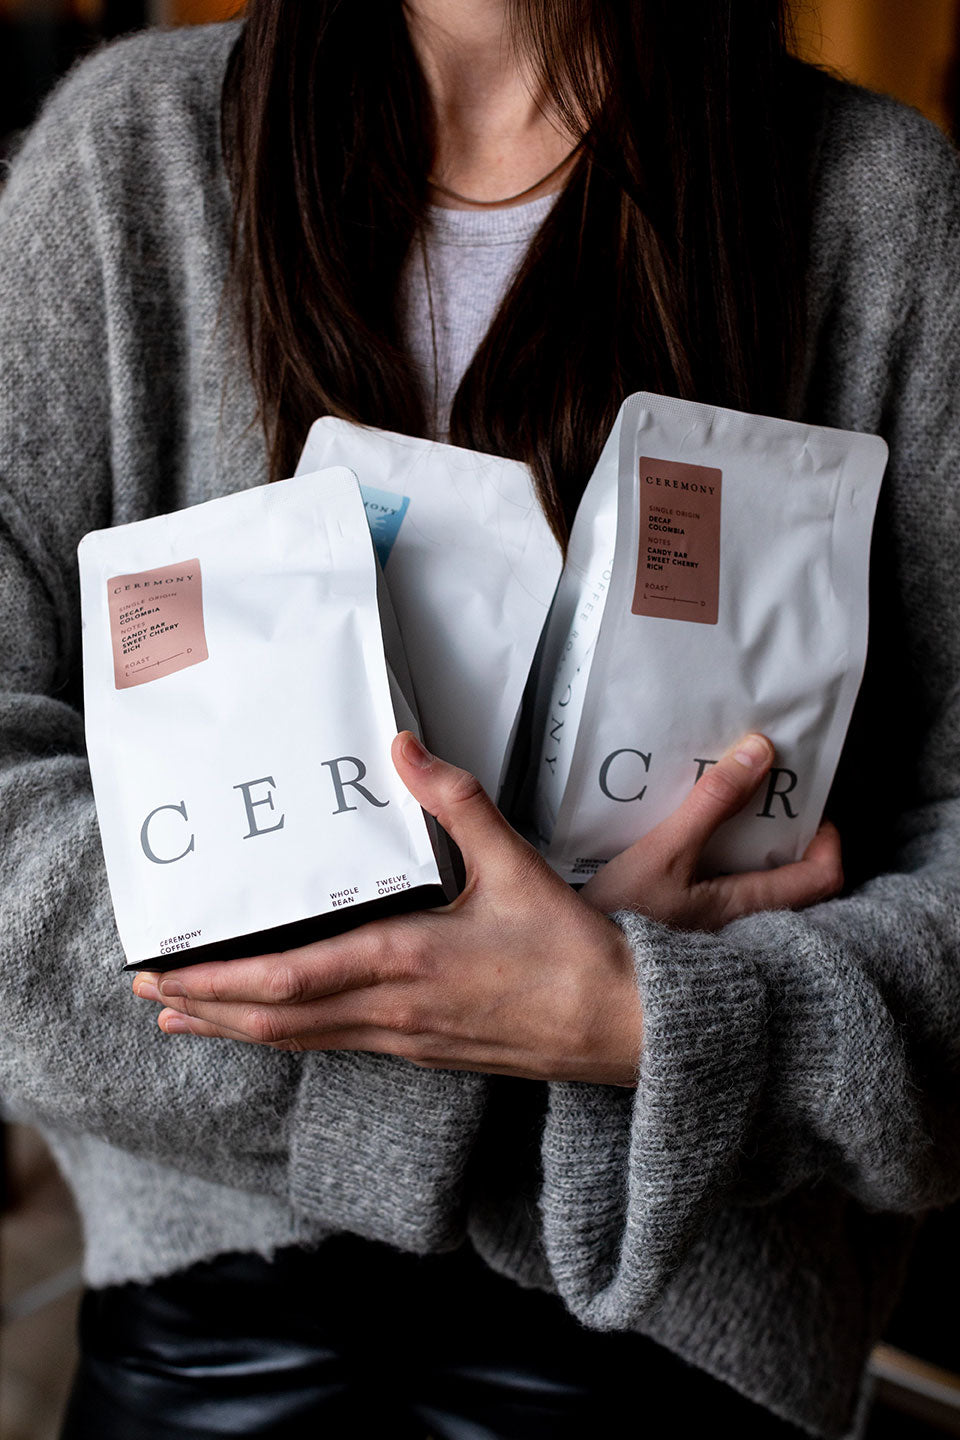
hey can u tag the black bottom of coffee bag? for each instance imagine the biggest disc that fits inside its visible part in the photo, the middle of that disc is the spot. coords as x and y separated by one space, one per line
298 932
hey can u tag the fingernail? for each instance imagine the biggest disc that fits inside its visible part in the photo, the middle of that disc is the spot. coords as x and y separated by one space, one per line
414 753
171 987
146 990
176 1025
754 751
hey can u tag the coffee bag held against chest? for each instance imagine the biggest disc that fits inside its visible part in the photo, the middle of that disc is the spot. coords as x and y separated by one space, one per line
239 716
471 566
716 582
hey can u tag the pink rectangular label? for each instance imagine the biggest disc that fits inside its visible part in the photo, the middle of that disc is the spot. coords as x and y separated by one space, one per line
678 566
156 622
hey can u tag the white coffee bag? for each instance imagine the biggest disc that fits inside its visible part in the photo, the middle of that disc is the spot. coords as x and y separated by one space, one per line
716 582
471 566
239 717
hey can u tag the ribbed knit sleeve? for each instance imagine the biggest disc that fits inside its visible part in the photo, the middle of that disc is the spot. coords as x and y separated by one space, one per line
816 1052
114 357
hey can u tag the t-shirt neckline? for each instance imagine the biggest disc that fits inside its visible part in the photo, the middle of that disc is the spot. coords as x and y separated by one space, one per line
488 227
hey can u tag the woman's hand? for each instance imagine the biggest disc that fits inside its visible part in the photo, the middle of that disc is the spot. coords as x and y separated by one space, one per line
659 875
518 976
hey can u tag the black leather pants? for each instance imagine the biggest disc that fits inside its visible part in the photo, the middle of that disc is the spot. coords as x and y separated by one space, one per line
356 1340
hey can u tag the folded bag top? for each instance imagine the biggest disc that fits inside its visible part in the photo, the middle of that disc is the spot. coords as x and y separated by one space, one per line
471 566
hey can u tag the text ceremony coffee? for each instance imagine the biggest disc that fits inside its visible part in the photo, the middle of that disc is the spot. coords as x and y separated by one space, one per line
239 717
716 582
471 566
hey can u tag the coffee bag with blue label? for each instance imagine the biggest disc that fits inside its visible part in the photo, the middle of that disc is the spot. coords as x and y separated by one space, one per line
715 583
471 566
239 714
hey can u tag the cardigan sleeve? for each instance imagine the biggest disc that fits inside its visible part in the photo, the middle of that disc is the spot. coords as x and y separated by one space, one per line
796 1050
78 1052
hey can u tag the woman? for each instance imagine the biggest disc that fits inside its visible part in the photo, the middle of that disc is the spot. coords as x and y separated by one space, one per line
711 1141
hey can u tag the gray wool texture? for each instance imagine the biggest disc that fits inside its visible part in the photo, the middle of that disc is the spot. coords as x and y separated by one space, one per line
750 1204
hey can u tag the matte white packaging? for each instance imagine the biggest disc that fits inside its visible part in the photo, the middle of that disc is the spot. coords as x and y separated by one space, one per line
245 790
716 582
471 566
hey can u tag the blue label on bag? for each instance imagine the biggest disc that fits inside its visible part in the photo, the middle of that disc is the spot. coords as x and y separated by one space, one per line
385 514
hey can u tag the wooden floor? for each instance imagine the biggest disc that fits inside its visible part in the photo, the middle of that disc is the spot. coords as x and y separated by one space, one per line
39 1292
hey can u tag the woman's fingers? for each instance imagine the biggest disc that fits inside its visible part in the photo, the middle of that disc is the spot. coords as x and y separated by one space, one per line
657 872
364 979
459 802
818 876
721 792
172 1022
429 1052
386 1003
825 852
267 1024
381 950
361 979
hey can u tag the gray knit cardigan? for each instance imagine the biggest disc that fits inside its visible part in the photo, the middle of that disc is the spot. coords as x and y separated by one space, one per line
749 1205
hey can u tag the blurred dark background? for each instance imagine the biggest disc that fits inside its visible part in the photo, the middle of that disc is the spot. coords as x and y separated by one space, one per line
40 39
907 48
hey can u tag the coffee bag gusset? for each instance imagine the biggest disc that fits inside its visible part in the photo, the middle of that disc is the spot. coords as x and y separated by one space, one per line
716 583
239 717
471 566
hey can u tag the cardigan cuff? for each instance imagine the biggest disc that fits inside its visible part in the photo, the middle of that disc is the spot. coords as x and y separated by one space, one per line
362 1117
629 1175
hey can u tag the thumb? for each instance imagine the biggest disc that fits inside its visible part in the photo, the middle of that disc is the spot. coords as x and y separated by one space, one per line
722 790
455 798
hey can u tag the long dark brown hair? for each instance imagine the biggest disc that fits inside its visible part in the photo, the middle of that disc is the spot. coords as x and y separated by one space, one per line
672 261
